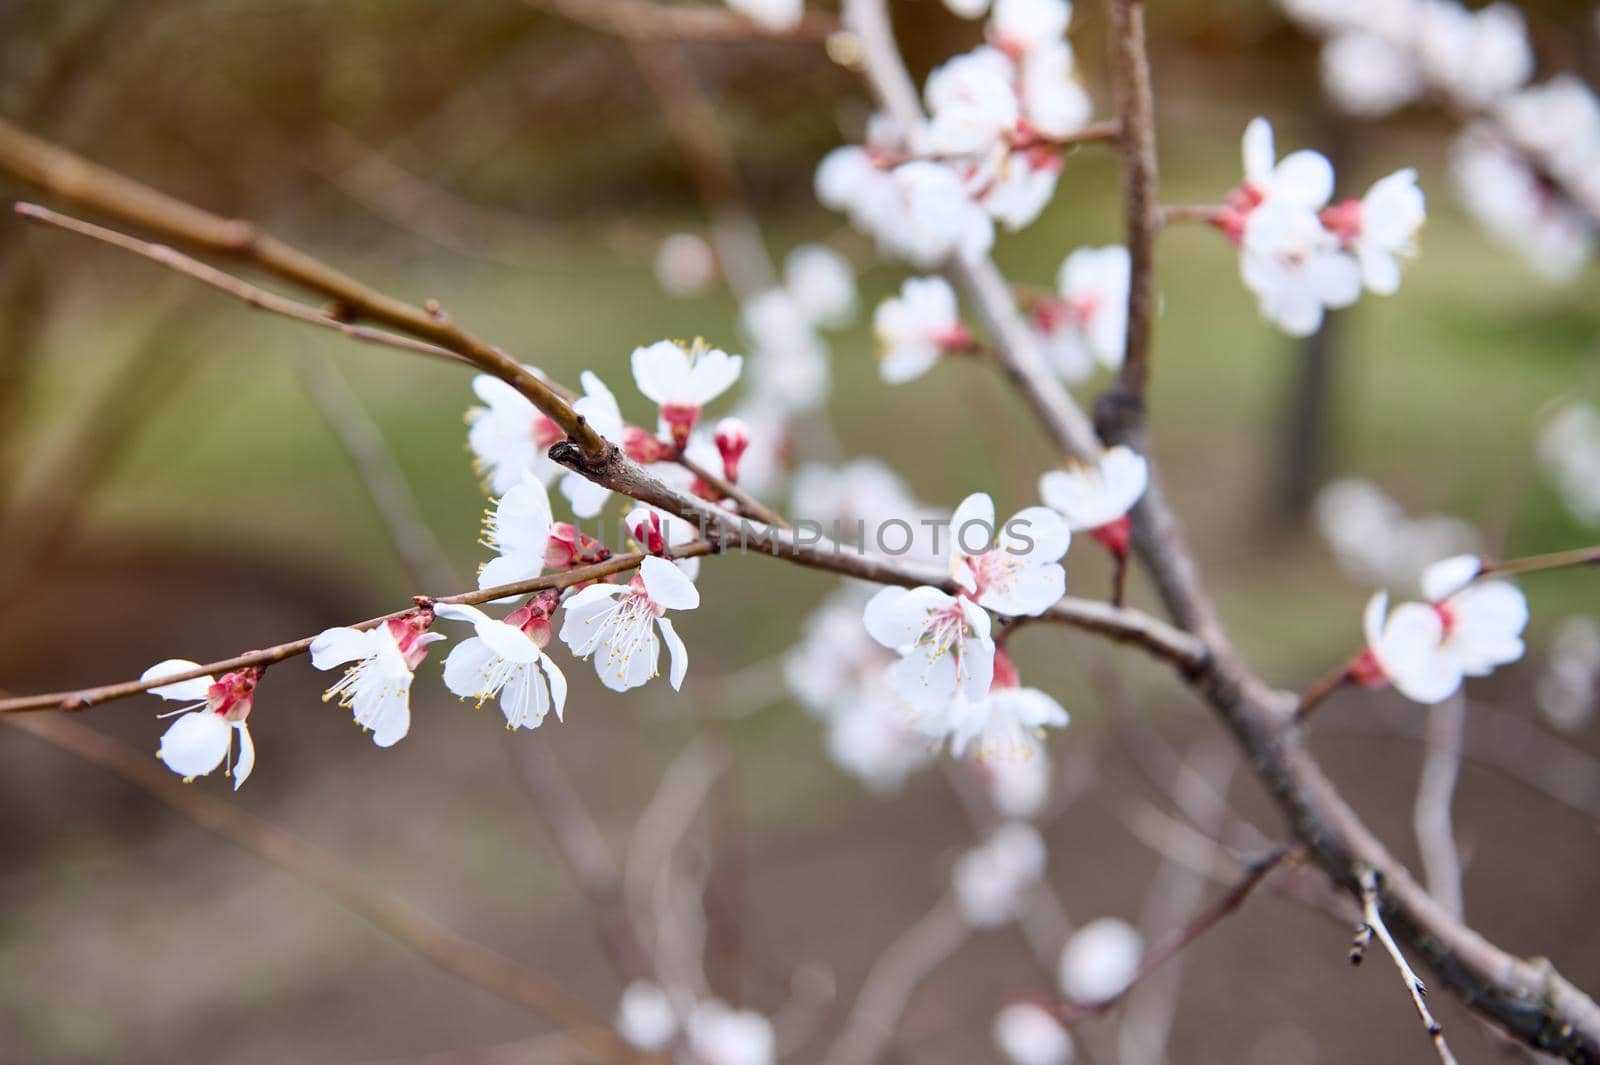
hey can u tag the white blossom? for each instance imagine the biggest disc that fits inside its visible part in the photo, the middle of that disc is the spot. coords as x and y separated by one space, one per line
822 284
506 659
1019 26
1381 228
686 264
1028 1035
1007 723
1425 649
616 624
721 1035
1014 568
509 436
518 529
645 1017
991 879
943 641
1569 451
1476 56
1096 499
1368 74
378 687
1100 960
201 739
1515 203
972 103
1088 324
682 379
916 327
599 408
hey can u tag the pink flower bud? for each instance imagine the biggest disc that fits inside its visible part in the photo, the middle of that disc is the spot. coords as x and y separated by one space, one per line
568 548
647 532
732 437
643 447
233 695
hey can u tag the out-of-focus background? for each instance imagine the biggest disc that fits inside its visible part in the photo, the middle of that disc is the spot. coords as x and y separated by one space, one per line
173 486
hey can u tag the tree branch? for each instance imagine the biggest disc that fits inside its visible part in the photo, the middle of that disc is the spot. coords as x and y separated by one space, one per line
96 188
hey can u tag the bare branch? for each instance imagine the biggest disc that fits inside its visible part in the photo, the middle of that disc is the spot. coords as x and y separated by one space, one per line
89 185
1373 917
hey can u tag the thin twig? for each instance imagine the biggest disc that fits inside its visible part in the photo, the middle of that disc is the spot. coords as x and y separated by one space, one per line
1202 923
474 963
747 503
89 185
1318 691
1373 923
889 984
252 295
87 697
424 558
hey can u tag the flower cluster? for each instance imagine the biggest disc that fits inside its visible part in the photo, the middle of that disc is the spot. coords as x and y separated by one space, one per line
1301 254
619 625
1526 163
991 151
1464 627
1376 542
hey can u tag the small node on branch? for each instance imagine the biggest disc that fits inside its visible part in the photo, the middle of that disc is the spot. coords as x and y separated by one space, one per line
1358 945
435 310
340 311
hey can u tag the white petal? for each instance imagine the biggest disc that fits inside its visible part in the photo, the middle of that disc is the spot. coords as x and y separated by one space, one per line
678 652
247 755
467 666
1038 534
713 374
667 586
1259 153
1448 576
187 691
195 744
507 641
1026 592
334 647
510 569
972 526
461 612
661 371
587 498
1304 178
522 520
558 684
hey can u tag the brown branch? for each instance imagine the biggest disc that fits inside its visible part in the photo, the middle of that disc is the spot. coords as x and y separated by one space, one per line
1185 212
251 295
1207 919
79 700
1516 567
530 988
747 503
96 188
1141 204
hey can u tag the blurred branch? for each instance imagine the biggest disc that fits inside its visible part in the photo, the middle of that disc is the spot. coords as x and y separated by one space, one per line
1124 402
586 854
906 963
424 558
1441 861
1175 891
87 697
35 525
530 988
645 20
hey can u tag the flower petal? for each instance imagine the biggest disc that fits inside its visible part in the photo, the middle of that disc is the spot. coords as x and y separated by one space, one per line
678 652
195 744
184 690
667 585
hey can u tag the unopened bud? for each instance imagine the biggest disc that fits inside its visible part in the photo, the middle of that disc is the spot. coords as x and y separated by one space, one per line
732 438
